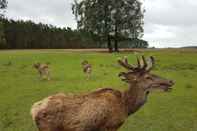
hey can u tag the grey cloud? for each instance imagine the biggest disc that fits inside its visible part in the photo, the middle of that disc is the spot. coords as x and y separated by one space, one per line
171 23
171 12
56 12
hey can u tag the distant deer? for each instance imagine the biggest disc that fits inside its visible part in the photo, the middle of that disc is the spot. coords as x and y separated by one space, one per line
102 110
43 70
87 68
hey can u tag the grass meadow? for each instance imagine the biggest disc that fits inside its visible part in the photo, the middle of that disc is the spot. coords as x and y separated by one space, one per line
20 86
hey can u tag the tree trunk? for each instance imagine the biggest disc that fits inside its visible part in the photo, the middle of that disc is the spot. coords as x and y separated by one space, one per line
109 44
116 46
116 39
106 30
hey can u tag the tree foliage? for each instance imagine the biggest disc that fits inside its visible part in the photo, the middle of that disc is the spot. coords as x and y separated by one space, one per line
3 6
110 19
28 35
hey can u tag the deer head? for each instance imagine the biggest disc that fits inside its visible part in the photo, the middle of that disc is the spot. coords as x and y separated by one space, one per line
84 62
36 65
141 82
140 75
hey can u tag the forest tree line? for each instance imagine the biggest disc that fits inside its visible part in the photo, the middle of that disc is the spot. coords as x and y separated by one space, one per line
29 35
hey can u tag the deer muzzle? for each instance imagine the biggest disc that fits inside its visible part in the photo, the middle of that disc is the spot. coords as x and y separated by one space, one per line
167 85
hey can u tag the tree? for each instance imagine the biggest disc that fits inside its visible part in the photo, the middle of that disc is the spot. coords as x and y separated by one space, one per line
2 36
128 20
3 5
110 18
94 16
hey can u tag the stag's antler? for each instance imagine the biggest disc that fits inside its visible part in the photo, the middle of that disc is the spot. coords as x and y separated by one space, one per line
124 62
142 65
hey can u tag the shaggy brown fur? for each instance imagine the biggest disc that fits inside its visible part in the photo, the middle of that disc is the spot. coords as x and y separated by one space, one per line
102 110
87 68
43 70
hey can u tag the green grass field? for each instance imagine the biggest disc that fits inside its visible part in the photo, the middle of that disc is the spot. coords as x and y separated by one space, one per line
20 86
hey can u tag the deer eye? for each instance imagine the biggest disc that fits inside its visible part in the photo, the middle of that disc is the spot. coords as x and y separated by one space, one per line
149 78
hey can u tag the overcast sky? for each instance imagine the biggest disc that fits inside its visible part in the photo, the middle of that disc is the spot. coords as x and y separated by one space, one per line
168 23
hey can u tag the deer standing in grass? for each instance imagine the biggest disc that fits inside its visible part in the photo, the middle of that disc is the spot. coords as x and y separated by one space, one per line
43 70
102 110
87 68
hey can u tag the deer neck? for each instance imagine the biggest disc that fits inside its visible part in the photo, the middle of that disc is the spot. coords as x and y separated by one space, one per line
134 98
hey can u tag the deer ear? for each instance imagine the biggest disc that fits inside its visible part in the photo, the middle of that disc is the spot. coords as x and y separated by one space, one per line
35 65
121 74
128 77
84 62
48 63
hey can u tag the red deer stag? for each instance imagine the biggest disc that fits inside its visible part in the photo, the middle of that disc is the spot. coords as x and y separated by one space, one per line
102 110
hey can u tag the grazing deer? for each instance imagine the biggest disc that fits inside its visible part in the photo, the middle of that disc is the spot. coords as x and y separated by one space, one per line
43 70
102 110
87 68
